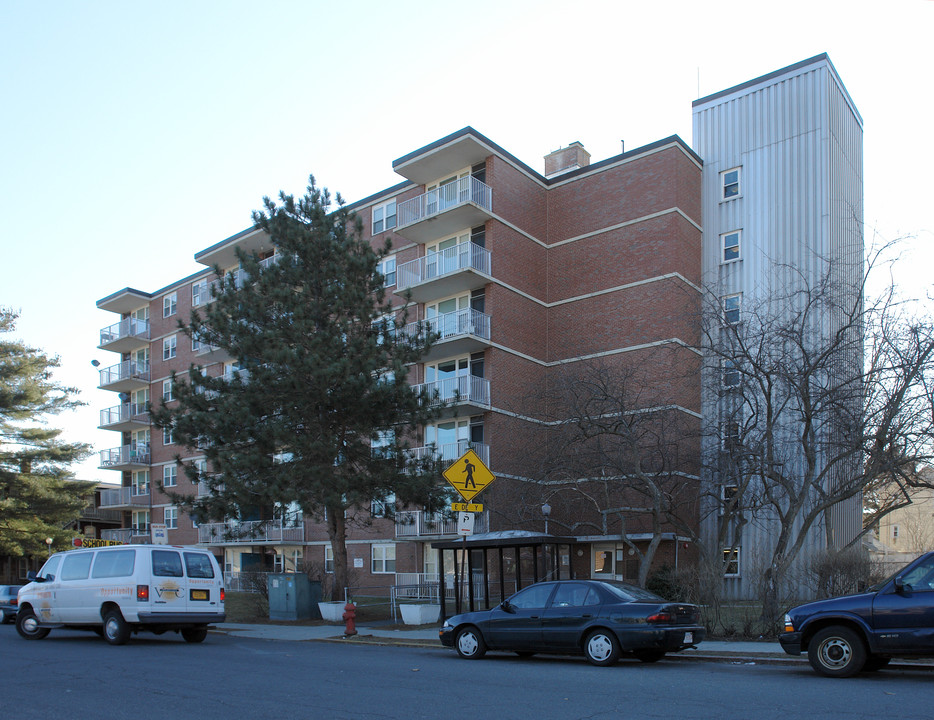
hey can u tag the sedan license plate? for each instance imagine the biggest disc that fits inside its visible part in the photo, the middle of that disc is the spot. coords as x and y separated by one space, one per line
199 594
689 637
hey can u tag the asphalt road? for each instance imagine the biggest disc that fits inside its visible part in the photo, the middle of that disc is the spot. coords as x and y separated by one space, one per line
71 674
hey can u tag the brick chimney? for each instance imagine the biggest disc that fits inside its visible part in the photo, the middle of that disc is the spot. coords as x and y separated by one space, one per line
566 159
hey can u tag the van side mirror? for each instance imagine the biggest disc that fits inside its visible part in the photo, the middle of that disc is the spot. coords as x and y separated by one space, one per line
32 577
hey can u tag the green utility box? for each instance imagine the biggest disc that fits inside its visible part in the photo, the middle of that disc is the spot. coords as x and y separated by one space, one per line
292 596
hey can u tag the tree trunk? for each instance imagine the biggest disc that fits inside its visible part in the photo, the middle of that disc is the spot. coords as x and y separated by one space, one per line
337 534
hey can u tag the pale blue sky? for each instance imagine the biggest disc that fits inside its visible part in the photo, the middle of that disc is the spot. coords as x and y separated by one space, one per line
133 135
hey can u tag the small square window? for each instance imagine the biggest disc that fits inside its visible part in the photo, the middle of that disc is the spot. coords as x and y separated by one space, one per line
384 217
169 305
730 243
730 181
731 307
383 559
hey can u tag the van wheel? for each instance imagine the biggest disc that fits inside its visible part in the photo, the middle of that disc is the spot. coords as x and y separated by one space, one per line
116 630
27 625
195 634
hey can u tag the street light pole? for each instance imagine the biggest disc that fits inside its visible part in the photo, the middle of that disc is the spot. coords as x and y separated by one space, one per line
546 511
48 541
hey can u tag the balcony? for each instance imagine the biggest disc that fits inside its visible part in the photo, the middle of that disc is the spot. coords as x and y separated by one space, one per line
127 457
457 269
461 395
101 515
450 452
122 535
456 333
417 524
125 377
125 336
125 417
464 203
124 497
251 532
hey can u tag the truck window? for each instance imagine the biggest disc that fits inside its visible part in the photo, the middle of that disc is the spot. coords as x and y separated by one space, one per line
198 565
116 563
76 566
166 563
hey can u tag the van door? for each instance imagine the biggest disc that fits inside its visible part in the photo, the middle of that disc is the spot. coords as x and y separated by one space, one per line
76 594
43 601
204 582
169 587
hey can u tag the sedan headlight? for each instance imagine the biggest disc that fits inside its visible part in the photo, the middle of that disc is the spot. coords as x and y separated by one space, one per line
789 626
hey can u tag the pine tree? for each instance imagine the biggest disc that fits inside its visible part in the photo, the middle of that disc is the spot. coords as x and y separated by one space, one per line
37 495
320 377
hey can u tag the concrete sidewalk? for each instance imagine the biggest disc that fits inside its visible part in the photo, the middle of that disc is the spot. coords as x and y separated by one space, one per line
427 636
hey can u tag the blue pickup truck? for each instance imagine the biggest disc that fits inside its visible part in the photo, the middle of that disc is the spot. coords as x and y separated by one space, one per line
845 635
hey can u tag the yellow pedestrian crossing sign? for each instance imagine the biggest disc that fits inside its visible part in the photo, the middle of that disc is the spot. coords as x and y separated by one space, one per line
468 475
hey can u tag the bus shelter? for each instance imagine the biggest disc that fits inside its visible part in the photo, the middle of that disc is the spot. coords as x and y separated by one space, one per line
480 571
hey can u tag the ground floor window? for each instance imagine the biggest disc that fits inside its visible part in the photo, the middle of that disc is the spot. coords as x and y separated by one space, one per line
383 559
731 562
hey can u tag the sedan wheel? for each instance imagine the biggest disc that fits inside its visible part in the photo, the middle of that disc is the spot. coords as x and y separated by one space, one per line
837 652
601 648
469 644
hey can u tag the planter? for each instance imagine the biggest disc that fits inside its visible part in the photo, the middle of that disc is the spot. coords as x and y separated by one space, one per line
331 611
420 614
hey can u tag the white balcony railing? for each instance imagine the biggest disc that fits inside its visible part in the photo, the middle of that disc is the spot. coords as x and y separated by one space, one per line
417 523
134 454
452 325
252 531
124 497
124 413
460 192
456 390
463 256
122 535
127 370
127 328
449 452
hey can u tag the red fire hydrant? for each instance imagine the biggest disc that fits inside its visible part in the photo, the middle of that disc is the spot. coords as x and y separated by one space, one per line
350 613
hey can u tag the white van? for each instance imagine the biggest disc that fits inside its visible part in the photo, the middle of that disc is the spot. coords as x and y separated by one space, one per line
122 589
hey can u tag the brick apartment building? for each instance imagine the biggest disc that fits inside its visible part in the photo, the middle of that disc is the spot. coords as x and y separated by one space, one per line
528 278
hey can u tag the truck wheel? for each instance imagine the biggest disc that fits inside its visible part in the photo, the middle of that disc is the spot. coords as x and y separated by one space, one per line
116 630
195 634
27 625
837 651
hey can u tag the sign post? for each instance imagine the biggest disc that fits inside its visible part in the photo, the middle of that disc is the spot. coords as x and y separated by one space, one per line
469 476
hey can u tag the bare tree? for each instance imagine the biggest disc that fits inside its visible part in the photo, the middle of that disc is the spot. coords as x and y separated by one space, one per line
622 450
819 394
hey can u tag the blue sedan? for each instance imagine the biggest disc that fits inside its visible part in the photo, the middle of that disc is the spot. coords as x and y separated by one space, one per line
603 620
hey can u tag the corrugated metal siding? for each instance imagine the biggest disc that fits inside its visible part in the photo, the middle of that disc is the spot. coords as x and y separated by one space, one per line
799 143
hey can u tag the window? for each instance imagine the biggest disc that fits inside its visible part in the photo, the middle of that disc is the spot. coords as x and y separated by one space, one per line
383 507
731 308
895 534
382 445
730 373
729 435
731 566
328 559
167 563
383 559
141 482
140 521
169 346
169 305
199 293
198 565
76 566
603 562
387 268
729 180
171 518
117 563
727 493
730 242
167 391
169 475
575 595
167 437
384 217
534 596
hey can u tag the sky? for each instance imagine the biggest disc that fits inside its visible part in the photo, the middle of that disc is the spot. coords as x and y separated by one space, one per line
135 134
